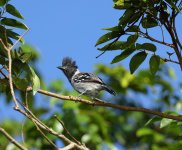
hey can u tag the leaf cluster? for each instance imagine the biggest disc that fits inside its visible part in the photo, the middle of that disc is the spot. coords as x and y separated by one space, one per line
139 17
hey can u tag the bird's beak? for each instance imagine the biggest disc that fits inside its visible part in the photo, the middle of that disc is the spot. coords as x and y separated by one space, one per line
60 67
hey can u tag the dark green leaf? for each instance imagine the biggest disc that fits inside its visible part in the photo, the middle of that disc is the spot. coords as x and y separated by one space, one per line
132 38
108 36
3 2
149 22
146 46
136 16
126 17
21 84
137 60
133 28
115 28
112 46
173 5
3 35
122 56
13 11
13 23
154 64
2 60
13 35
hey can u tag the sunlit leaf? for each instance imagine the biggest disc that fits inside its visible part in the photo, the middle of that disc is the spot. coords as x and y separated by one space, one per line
35 81
165 122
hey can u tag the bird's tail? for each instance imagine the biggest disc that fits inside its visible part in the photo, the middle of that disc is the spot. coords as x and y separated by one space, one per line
110 90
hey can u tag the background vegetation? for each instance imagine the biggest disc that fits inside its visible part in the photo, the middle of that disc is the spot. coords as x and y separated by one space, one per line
77 125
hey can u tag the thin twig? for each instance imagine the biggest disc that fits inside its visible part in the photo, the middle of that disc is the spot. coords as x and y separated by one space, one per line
49 141
68 147
10 75
155 40
62 123
12 140
41 125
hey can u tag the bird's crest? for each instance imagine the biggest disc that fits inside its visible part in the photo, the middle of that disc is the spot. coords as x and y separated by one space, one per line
67 61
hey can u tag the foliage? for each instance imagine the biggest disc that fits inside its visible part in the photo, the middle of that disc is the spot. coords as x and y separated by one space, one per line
98 127
23 75
139 20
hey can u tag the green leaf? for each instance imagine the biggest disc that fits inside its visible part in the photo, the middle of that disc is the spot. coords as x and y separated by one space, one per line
21 84
126 17
149 22
136 16
13 23
25 57
144 132
152 120
173 5
13 35
137 60
122 56
146 46
3 2
108 36
112 46
13 11
165 122
115 28
122 4
133 28
35 81
154 64
132 38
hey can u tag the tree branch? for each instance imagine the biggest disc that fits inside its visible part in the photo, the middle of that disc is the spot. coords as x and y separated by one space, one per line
12 140
106 104
147 36
42 126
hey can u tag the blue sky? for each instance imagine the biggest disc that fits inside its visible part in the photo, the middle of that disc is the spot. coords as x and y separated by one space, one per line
71 28
67 28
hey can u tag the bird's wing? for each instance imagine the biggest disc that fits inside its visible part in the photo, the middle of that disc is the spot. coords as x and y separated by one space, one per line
87 77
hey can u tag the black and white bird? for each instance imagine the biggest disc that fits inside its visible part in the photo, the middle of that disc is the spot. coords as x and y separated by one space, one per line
83 82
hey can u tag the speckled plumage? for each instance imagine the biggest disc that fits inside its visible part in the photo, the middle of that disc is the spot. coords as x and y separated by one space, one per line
83 82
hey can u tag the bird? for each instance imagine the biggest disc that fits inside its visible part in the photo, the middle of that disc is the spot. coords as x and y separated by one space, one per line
83 82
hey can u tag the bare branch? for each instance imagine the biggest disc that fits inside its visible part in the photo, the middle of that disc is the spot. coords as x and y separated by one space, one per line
42 126
147 36
12 140
106 104
49 141
10 66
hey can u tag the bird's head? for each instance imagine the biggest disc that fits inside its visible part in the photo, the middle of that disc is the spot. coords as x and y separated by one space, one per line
69 67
